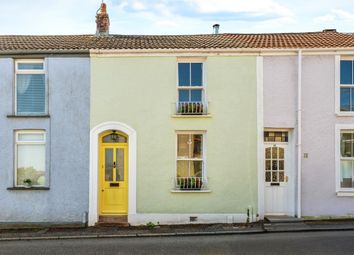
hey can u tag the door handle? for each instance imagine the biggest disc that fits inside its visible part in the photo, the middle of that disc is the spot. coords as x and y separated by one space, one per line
286 178
102 190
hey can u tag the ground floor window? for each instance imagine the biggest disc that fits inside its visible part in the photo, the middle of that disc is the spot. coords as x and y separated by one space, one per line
347 159
30 158
190 160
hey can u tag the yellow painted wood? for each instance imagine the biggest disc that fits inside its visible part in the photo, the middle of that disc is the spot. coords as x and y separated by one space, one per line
113 200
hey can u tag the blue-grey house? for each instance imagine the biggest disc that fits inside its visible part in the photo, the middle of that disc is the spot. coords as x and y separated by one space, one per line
44 132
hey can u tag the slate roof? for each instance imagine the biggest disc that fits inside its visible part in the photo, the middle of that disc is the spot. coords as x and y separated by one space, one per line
308 40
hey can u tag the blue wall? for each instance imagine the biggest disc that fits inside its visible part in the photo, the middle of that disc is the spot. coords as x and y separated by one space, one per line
67 150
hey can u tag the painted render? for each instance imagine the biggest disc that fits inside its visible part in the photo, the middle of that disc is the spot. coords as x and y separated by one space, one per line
318 182
319 196
141 92
67 148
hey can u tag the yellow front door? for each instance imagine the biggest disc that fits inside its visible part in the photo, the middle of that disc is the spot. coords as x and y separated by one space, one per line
113 178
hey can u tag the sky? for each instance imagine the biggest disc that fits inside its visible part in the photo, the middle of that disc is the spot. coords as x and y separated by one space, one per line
176 16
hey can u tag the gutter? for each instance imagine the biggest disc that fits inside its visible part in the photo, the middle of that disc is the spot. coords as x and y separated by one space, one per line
46 51
299 140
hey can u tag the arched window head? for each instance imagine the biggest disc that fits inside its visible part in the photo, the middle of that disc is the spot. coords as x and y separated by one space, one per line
115 137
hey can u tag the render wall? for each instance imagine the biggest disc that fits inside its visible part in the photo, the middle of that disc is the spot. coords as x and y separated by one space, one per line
67 150
141 92
279 92
319 119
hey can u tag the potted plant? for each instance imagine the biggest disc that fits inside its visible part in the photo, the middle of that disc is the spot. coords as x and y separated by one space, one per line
27 183
190 183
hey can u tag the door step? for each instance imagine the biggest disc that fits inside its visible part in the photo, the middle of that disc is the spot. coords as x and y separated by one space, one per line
121 221
282 219
284 224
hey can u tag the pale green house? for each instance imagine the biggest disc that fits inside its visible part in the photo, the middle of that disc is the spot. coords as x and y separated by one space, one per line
184 137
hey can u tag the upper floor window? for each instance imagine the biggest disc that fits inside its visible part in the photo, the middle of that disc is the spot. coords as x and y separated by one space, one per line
191 90
30 87
346 85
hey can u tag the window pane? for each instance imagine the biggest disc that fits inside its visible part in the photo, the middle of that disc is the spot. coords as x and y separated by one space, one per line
118 139
197 146
30 66
184 74
30 93
345 99
197 74
182 168
108 165
183 145
346 174
196 168
183 95
196 95
31 164
267 153
120 165
346 145
346 72
30 137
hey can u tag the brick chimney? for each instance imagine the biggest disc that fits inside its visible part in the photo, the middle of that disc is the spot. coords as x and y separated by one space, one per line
102 21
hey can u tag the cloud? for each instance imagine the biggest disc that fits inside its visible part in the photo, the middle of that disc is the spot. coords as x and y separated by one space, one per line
256 7
251 10
334 16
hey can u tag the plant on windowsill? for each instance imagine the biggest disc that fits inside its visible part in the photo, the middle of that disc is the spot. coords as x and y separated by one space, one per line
190 183
27 183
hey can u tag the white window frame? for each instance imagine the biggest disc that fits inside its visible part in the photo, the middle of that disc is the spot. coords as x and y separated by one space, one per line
338 85
203 87
17 142
30 71
203 159
339 129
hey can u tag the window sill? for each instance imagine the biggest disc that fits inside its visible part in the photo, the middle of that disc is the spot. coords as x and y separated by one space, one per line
31 188
191 191
191 116
345 114
28 116
345 193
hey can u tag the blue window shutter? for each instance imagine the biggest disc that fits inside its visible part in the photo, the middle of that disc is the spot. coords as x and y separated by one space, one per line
30 93
346 72
184 74
197 74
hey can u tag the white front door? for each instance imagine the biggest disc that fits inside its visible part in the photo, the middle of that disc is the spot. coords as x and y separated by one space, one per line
276 176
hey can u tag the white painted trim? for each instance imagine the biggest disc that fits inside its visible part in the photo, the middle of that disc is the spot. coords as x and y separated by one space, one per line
165 219
345 194
337 86
191 116
31 71
299 134
94 157
42 142
260 138
218 52
338 129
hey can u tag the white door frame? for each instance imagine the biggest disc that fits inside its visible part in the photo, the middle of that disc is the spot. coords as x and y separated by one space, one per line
94 158
290 164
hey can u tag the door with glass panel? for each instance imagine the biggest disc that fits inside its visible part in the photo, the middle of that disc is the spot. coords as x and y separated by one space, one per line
113 175
278 174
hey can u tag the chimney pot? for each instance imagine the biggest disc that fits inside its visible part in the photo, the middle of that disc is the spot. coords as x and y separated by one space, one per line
216 29
102 21
329 30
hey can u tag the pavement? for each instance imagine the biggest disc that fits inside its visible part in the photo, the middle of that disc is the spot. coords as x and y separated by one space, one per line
52 233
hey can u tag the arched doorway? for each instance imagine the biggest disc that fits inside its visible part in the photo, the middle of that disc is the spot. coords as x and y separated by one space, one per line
124 148
113 174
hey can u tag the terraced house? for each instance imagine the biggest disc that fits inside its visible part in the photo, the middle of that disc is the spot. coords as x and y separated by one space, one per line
175 129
